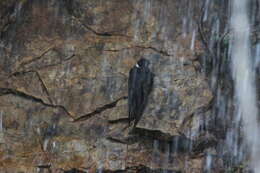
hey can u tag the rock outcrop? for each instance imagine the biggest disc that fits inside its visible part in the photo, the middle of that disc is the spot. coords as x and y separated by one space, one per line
63 87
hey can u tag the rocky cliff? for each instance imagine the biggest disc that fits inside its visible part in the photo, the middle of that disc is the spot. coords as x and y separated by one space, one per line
63 91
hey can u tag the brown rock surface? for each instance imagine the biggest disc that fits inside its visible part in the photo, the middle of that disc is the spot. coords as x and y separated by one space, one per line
61 60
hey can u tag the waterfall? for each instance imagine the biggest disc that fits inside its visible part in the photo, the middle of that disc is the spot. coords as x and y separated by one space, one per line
244 79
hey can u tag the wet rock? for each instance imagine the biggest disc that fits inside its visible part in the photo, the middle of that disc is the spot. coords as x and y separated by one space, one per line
63 86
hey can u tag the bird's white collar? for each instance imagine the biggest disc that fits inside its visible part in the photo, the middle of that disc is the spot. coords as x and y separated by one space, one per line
137 65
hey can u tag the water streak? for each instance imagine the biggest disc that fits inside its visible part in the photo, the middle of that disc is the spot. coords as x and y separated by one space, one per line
208 162
244 79
205 17
193 40
1 122
45 144
1 128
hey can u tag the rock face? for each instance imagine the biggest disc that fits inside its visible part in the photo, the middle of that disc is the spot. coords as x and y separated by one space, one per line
63 91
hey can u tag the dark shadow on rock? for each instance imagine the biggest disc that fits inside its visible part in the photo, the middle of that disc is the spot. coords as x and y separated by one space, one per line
142 169
74 170
152 134
178 144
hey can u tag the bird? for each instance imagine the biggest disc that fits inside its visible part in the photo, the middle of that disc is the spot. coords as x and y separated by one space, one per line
140 84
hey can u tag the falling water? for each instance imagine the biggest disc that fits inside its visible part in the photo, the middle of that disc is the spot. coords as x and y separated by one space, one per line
1 128
45 144
193 40
243 76
206 11
208 162
1 121
154 154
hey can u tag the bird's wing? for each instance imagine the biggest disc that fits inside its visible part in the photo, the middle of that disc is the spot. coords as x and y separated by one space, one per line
148 82
143 87
131 89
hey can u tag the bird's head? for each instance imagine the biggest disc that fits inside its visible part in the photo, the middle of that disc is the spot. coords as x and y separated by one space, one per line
143 63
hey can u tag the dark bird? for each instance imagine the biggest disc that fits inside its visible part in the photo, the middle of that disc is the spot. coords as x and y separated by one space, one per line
140 85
